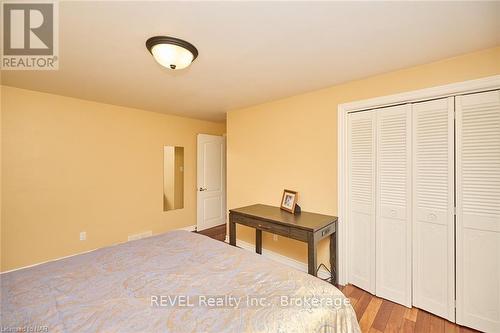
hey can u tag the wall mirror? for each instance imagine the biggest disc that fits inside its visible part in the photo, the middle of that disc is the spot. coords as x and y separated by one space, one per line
173 178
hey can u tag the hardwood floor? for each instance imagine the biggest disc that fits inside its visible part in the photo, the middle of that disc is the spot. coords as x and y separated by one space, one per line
379 315
217 232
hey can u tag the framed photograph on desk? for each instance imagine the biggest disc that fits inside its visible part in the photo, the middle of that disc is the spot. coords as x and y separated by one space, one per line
289 200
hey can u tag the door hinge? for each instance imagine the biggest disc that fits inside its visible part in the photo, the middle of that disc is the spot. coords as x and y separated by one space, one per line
455 211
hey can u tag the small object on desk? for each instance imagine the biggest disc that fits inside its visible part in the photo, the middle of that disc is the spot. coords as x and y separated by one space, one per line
289 200
306 227
297 209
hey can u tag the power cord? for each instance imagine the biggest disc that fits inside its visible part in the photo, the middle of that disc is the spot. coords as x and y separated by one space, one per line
330 279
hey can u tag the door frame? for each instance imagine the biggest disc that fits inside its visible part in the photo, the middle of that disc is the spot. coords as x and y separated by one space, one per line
470 86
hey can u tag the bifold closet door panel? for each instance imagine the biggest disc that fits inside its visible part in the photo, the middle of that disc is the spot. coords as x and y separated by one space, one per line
478 210
393 204
433 204
361 200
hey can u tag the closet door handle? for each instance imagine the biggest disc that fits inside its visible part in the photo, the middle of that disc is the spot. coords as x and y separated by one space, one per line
202 189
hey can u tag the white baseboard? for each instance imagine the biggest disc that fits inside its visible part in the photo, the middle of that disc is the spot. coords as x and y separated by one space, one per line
298 265
188 228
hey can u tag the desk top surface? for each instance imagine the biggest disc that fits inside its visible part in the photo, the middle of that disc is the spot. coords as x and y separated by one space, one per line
303 220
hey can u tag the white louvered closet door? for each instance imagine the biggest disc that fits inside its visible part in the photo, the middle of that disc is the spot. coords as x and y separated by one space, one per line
478 210
393 204
433 205
361 187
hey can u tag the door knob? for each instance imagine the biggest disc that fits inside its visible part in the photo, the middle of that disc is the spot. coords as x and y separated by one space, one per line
202 189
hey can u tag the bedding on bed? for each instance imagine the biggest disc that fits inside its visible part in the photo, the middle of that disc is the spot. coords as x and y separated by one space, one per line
174 282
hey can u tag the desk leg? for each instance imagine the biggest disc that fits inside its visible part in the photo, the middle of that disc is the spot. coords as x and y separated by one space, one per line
333 257
312 256
232 233
258 241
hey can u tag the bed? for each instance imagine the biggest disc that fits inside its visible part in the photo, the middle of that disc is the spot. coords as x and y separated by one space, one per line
174 282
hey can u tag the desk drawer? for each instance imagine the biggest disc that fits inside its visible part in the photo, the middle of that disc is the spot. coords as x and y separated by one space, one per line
262 225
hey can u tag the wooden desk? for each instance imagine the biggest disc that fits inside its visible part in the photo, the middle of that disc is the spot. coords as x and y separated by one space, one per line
305 227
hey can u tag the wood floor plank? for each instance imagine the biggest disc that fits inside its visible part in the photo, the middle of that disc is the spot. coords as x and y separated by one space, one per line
396 319
353 301
347 290
217 232
356 293
370 313
436 325
411 314
383 315
408 326
362 304
373 330
423 323
451 327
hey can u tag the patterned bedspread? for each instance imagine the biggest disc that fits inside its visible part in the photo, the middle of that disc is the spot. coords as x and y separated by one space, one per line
174 282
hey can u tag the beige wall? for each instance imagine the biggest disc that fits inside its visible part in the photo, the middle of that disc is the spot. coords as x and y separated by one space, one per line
71 165
292 143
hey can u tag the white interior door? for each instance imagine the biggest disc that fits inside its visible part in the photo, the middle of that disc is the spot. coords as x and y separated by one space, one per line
211 189
478 210
361 200
433 207
393 204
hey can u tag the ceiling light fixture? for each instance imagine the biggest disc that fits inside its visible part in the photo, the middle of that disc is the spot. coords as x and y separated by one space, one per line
170 52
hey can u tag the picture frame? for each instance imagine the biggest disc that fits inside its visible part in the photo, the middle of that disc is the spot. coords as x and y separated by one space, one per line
289 200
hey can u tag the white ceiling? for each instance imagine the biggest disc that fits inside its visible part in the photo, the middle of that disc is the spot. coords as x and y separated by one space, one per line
250 52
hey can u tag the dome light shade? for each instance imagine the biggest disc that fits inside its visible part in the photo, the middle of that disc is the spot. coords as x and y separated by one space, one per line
171 52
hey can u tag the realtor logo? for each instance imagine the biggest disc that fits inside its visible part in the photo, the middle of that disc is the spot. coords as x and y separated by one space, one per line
30 36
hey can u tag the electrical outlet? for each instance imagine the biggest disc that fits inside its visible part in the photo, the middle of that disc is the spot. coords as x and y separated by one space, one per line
275 238
83 235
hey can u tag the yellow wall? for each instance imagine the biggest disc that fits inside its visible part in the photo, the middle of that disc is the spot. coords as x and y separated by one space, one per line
71 165
292 143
